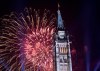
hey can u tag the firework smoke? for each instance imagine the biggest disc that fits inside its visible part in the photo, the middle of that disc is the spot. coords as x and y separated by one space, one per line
26 41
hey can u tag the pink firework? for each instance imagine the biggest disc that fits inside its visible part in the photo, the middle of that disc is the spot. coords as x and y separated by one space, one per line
27 41
39 48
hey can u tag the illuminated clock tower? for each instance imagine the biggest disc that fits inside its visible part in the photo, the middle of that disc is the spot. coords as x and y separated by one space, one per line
62 50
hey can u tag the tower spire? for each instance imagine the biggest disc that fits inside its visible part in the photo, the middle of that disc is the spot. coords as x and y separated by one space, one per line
60 24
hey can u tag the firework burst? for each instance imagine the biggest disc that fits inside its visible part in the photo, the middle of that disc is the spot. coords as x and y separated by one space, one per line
26 41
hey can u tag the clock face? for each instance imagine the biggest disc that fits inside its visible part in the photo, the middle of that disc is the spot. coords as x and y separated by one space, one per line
61 34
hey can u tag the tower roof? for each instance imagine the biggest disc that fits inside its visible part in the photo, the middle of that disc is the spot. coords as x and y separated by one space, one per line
60 24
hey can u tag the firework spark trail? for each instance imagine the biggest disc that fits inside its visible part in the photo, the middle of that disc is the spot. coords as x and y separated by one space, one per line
28 36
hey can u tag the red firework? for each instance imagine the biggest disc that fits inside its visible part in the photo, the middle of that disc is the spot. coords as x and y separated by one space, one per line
27 41
38 48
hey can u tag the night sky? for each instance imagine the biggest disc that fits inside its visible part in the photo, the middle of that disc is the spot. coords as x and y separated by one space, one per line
81 19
